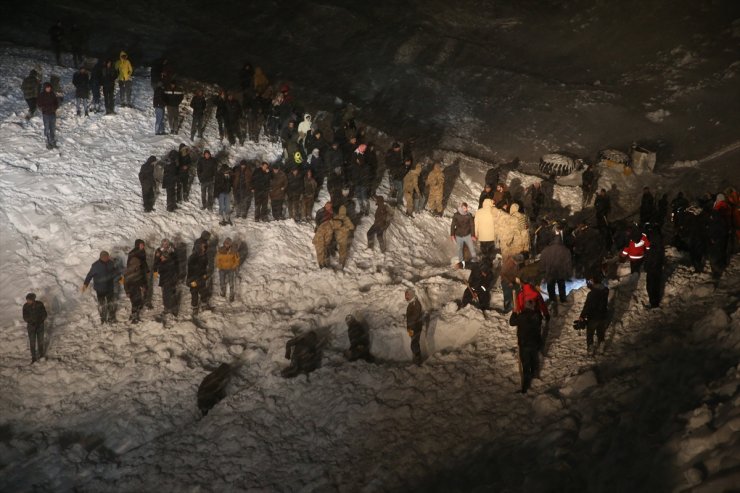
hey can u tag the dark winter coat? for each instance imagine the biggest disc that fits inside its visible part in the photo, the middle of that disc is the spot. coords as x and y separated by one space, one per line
138 274
261 181
278 184
159 99
242 183
169 178
528 323
485 195
294 188
220 104
597 303
184 162
334 159
603 206
492 176
47 102
222 181
197 269
462 224
81 81
383 215
198 104
206 169
31 85
647 208
656 255
233 111
168 269
104 276
109 76
34 313
173 96
414 315
555 261
394 163
146 173
359 171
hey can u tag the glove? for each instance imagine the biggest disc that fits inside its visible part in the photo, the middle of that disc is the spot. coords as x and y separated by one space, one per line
411 332
121 280
194 284
156 275
84 288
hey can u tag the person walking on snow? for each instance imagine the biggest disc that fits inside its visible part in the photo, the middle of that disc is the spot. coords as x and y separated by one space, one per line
411 190
135 279
595 312
81 81
198 104
197 278
461 232
167 268
31 87
343 228
48 103
206 174
34 314
222 189
528 322
159 102
104 274
227 261
383 216
436 184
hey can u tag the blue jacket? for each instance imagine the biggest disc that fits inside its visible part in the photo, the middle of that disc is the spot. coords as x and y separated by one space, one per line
104 276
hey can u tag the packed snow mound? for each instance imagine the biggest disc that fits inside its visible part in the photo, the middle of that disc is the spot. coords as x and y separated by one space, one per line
114 407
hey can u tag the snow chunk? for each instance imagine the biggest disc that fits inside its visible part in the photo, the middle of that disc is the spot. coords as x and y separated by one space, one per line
544 405
658 116
578 384
712 324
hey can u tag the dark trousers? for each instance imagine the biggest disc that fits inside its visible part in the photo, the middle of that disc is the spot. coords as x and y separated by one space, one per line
173 118
106 307
635 265
598 327
36 338
147 193
653 287
482 299
277 208
169 298
509 290
260 206
376 231
529 362
200 293
171 197
206 194
197 126
31 102
110 100
561 290
243 203
416 342
487 249
294 207
136 295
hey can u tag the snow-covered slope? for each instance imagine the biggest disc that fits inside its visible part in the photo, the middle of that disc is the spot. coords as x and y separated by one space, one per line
113 407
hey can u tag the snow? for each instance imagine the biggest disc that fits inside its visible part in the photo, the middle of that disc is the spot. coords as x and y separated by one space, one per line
114 407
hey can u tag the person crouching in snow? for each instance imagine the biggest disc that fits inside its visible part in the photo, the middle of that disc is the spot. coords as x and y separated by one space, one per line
303 353
359 340
227 261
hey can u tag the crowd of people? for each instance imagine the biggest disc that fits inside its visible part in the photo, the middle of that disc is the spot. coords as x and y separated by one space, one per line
510 235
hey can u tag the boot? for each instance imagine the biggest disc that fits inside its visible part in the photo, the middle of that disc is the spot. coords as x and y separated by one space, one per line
370 244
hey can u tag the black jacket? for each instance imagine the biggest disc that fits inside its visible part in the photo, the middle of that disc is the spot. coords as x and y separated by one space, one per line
261 181
34 313
597 303
222 181
81 81
197 269
146 173
528 323
198 103
206 169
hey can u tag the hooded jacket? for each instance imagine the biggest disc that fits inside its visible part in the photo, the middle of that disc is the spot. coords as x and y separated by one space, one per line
411 180
514 232
484 222
436 180
124 67
342 225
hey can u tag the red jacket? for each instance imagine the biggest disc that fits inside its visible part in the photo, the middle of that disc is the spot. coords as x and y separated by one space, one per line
636 251
527 293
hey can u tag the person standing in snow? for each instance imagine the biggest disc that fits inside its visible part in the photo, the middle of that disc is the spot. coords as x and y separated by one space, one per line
589 182
383 216
278 184
414 323
310 191
557 267
135 279
394 166
636 249
261 188
197 278
169 180
227 262
509 274
185 173
654 266
647 206
595 312
222 190
48 103
198 104
34 314
242 186
435 184
159 102
478 290
146 178
206 174
528 323
56 36
602 206
167 268
343 231
303 353
295 190
104 273
461 232
125 82
485 229
109 75
411 192
81 81
31 87
173 96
